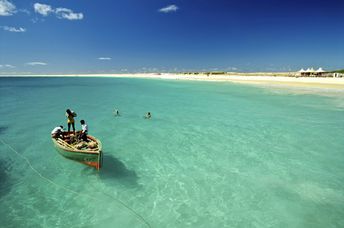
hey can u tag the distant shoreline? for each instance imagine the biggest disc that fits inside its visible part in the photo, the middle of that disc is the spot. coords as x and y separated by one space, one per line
247 78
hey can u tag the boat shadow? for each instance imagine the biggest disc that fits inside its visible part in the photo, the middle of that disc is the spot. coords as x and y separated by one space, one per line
4 169
3 129
5 184
115 170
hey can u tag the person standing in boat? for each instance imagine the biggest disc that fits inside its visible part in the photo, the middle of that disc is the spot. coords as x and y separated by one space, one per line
84 131
57 132
70 119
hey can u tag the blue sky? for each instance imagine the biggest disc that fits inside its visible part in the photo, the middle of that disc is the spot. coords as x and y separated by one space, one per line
107 36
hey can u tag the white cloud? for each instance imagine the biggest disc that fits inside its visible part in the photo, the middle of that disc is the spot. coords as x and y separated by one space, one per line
7 8
43 9
24 11
68 14
36 64
169 9
7 66
104 58
62 13
13 29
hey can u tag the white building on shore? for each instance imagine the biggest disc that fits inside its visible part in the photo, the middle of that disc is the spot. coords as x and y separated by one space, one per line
310 72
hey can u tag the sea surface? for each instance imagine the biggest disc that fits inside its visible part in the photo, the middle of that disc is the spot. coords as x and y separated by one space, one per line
214 154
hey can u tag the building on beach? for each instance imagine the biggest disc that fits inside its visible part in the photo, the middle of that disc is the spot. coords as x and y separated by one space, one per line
310 72
319 72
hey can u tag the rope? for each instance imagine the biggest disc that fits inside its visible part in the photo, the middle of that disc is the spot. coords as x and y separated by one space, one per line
137 215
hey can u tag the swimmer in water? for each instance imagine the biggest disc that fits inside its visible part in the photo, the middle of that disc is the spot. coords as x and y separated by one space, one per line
116 112
148 115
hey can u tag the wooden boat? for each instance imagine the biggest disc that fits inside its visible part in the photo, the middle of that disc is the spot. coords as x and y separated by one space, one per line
88 153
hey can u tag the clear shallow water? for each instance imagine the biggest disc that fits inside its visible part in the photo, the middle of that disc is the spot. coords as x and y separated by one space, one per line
213 155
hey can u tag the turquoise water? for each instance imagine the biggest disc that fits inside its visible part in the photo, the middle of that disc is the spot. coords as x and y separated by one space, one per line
213 155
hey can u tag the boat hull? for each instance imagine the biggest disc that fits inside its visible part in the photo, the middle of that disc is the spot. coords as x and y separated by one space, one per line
91 158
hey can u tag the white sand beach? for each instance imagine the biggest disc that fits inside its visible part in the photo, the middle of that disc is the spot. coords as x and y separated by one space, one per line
318 82
251 78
